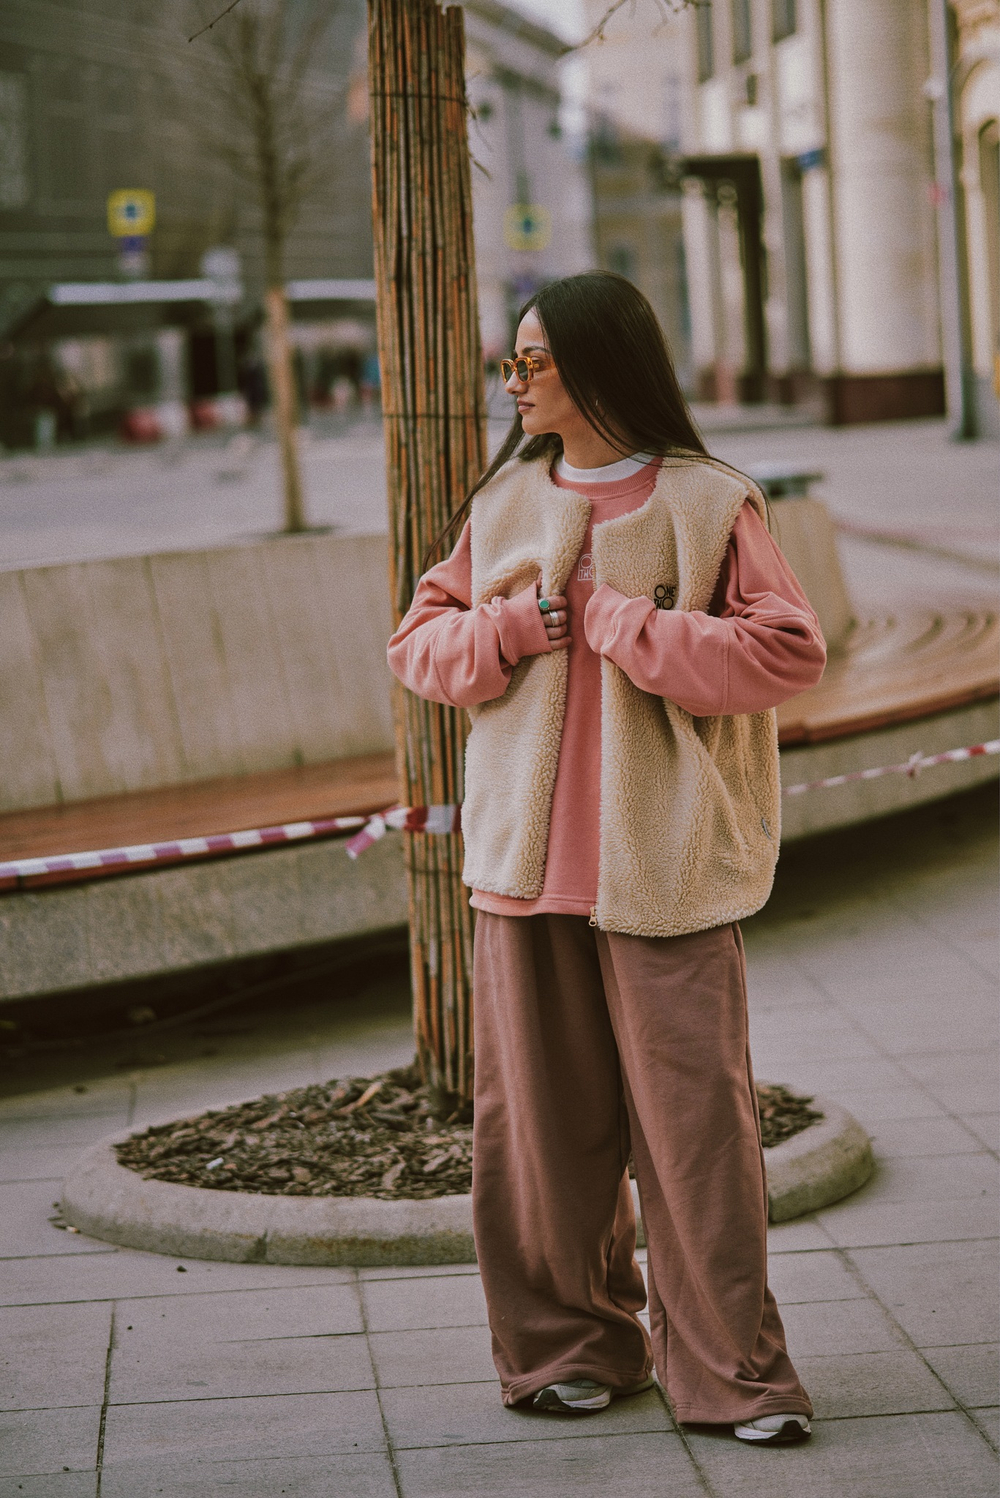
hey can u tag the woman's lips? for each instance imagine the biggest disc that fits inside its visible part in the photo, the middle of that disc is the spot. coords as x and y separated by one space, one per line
525 406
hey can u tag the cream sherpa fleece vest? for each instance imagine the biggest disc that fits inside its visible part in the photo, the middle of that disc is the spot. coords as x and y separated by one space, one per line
690 807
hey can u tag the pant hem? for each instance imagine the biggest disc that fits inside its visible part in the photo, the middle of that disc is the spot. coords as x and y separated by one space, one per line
773 1405
523 1388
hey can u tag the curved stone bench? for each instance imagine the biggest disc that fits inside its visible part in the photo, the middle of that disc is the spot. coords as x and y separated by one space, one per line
106 1200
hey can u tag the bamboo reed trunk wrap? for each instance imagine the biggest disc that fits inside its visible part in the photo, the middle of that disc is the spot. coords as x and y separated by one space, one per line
435 433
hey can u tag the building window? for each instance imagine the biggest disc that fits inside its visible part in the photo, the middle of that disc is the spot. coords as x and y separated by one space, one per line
622 260
742 43
14 189
706 46
783 18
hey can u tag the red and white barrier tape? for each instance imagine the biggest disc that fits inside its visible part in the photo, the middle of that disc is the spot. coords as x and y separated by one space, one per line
912 767
184 847
432 819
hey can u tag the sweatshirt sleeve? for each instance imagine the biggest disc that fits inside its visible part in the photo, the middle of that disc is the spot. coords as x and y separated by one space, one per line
759 644
449 652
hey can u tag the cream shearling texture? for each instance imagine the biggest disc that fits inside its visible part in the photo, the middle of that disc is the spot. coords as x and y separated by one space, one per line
690 807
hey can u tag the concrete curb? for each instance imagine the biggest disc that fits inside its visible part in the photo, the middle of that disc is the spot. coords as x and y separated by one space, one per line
110 1202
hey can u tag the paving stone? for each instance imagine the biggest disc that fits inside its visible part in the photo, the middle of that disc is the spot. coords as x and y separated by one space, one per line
972 1373
815 1276
416 1271
42 1162
947 1178
53 1356
462 1414
800 1236
315 1425
102 1095
447 1355
899 1102
336 1476
895 1456
988 1421
914 1137
408 1305
824 1328
129 1272
244 1342
868 1221
50 1485
25 1209
871 1383
37 1442
73 1132
609 1466
986 1126
942 1294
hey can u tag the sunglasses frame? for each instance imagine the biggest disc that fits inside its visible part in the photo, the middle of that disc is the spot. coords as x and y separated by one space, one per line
509 367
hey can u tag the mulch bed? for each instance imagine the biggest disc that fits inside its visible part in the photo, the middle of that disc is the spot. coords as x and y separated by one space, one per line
367 1136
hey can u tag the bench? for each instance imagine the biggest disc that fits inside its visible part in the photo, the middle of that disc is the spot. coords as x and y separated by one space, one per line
148 699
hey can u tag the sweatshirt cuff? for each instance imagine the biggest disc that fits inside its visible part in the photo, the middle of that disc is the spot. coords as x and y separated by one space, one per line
602 618
520 626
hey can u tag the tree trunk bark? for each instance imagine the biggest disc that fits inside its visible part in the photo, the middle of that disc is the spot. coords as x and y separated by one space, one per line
434 411
279 356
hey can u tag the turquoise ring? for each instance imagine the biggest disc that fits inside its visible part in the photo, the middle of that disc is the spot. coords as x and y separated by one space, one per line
544 605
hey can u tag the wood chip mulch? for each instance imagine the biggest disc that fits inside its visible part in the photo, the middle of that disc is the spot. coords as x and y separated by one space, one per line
366 1136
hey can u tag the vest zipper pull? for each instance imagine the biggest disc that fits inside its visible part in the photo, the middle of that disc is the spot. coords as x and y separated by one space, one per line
593 916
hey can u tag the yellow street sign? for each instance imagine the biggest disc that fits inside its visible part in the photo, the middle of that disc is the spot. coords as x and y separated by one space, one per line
131 211
527 226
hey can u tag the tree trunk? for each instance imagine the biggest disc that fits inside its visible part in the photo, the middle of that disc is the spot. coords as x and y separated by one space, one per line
279 358
435 431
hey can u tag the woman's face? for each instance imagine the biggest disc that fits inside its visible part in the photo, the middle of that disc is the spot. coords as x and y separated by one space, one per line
542 402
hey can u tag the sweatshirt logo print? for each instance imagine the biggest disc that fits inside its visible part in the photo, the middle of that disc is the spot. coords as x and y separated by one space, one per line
664 595
585 572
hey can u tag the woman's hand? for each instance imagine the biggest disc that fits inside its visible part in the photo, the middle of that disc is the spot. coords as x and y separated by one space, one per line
556 618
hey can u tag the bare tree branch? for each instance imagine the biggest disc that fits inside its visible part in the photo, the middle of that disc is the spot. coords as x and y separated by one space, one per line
215 22
667 8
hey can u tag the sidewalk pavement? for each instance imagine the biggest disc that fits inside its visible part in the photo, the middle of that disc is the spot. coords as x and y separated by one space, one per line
873 975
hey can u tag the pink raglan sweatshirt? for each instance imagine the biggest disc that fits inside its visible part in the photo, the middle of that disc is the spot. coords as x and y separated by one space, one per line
759 644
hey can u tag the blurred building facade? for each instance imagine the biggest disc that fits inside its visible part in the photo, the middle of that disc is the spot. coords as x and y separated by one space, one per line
531 195
811 198
97 98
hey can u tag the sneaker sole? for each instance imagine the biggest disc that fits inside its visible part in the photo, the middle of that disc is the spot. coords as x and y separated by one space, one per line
789 1435
549 1401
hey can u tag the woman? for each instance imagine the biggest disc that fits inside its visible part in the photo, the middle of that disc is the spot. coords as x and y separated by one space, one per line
620 625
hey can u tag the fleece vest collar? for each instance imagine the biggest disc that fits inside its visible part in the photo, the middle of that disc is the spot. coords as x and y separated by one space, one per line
689 806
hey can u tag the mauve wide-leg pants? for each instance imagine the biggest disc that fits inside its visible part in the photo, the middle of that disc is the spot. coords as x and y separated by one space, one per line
588 1044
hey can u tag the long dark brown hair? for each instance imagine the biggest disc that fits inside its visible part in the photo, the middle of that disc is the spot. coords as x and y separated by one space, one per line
614 363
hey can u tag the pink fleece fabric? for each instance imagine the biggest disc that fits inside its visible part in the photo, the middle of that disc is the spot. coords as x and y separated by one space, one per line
759 644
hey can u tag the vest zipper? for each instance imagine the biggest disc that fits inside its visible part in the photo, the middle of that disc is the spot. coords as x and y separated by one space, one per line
593 916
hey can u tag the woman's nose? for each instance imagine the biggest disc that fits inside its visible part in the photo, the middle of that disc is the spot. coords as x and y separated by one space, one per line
515 384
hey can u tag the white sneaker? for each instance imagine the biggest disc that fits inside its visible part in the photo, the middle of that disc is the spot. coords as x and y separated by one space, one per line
581 1396
774 1430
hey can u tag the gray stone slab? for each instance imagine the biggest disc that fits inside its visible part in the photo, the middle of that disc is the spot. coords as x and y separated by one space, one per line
870 1106
447 1355
988 1421
855 1223
157 1367
73 1132
37 1442
25 1207
412 1305
107 1096
913 1137
53 1355
942 1294
803 1236
823 1328
44 1162
316 1425
812 1276
417 1271
127 1272
985 1126
326 1476
564 1466
50 1485
467 1414
937 1178
972 1372
937 1455
871 1383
